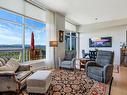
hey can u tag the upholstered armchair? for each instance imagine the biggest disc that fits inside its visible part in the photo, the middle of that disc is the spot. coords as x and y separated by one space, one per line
102 68
69 61
13 75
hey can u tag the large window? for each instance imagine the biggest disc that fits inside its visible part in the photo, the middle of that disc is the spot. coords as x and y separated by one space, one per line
15 33
10 30
38 29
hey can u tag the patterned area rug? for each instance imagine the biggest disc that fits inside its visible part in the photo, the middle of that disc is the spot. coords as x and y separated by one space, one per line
67 82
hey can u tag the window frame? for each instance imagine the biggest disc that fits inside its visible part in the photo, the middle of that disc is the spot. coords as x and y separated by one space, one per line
70 38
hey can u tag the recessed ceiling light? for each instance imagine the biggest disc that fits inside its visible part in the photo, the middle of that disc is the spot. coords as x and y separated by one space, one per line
96 18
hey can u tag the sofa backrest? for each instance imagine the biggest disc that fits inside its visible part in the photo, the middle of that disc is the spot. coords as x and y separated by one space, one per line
4 60
104 57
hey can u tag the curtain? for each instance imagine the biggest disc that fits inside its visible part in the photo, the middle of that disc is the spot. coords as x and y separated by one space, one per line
51 36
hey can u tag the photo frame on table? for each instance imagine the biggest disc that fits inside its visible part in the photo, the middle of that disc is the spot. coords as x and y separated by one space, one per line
61 35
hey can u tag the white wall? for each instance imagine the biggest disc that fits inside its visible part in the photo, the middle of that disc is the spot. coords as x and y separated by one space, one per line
117 33
60 25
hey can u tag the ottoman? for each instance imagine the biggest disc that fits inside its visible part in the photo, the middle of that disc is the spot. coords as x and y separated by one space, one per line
39 82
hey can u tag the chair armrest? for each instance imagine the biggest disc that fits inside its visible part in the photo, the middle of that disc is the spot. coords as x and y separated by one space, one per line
108 71
74 59
8 76
90 63
7 73
108 67
74 62
24 67
60 60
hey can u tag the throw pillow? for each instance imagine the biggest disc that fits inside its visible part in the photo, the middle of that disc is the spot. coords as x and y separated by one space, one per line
5 58
11 65
68 56
2 60
1 64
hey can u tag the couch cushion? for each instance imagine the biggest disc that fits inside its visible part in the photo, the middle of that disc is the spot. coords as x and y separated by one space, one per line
96 70
2 61
5 58
1 64
22 75
11 65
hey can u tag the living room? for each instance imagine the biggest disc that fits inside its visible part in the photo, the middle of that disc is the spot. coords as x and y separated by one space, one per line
39 34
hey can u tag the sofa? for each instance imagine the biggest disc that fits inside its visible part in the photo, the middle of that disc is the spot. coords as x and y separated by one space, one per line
102 68
13 75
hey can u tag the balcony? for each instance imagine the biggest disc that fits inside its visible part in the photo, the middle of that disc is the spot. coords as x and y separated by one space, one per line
17 53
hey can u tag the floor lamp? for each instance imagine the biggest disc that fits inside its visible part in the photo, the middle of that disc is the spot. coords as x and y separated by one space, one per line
54 44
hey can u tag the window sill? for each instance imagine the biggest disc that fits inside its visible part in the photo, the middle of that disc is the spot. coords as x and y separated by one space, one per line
34 61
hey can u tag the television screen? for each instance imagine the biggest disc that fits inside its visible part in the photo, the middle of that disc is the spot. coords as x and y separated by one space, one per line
100 42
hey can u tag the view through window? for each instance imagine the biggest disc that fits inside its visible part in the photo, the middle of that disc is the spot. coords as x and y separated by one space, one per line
13 37
71 36
70 41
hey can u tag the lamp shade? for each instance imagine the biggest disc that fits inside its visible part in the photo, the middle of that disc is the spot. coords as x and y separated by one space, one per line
53 43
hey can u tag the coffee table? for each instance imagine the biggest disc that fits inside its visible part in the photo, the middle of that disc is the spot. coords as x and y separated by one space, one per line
83 61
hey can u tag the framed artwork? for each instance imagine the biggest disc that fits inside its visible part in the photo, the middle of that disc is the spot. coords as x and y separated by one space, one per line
61 35
100 42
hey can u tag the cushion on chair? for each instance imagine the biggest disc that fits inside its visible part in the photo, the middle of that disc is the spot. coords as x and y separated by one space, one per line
104 58
2 61
5 58
68 56
96 70
11 65
1 64
66 64
22 75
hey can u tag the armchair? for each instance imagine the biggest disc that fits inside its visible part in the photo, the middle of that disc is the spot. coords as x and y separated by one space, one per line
13 76
102 68
69 61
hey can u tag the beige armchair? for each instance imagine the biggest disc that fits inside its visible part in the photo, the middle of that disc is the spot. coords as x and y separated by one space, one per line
11 80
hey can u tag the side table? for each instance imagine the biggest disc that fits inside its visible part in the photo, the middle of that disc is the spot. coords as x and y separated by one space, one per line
83 61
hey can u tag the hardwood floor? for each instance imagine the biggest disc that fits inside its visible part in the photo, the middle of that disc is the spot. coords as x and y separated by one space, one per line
119 85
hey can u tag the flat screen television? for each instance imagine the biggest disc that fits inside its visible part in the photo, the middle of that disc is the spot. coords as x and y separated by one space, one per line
100 42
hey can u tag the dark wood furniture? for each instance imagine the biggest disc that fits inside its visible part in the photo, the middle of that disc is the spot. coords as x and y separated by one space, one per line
83 61
123 56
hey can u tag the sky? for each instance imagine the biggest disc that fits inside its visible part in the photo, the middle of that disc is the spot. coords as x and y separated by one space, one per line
11 33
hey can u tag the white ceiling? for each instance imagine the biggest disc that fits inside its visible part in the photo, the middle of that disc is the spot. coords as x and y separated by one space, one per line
86 11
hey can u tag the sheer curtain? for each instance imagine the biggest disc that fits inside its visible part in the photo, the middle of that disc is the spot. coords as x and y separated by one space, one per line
51 35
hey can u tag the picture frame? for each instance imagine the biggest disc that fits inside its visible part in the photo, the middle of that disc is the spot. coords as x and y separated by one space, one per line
61 35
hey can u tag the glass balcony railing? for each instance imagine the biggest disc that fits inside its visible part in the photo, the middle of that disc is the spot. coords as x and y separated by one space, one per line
28 55
36 54
15 53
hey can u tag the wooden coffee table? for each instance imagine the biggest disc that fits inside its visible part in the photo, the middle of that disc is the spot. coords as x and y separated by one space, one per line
83 61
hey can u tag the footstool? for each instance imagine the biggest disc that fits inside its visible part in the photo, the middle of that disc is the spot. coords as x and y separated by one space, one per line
39 82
